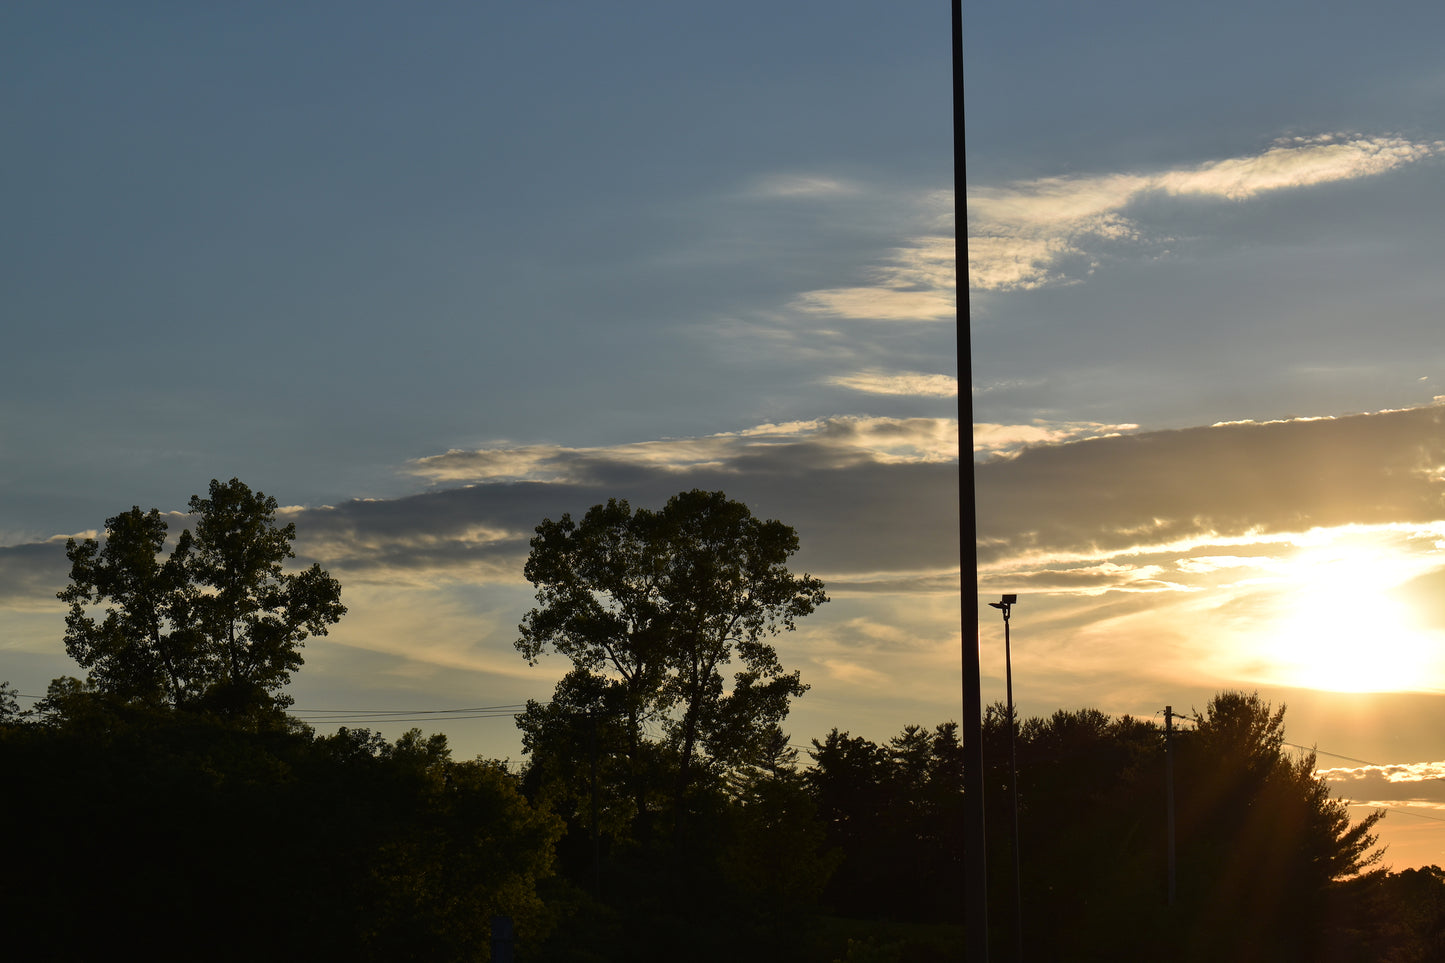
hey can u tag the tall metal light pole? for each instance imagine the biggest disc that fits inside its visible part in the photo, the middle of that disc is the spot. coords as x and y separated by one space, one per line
1006 607
975 884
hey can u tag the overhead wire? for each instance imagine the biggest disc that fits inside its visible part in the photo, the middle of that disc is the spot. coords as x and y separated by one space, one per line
360 716
1402 809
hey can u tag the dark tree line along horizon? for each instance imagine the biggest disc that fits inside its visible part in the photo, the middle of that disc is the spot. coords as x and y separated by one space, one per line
174 808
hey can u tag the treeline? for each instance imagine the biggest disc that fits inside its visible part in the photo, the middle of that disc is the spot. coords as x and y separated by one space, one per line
1268 865
167 806
176 834
169 834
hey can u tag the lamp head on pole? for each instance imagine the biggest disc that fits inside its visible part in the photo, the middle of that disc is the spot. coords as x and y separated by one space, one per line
1005 604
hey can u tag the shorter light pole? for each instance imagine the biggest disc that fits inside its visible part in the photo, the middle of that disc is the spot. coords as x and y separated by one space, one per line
1169 716
1005 606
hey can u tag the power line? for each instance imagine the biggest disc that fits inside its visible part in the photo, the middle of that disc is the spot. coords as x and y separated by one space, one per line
516 706
399 717
1391 807
1332 755
359 716
1396 808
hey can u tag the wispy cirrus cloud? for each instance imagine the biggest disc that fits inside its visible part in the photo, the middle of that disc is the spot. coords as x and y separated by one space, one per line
800 186
1007 440
1055 230
914 283
837 441
1025 234
875 381
1298 162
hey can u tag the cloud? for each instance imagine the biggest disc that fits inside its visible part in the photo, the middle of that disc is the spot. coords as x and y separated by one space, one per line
1419 783
31 574
1145 491
799 186
875 381
992 439
914 283
874 501
1297 162
1246 554
855 674
1094 579
1028 234
836 441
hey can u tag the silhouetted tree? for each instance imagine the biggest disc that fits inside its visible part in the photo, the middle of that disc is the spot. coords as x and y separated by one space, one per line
1261 841
9 705
1262 846
1092 834
776 858
146 649
216 623
894 813
651 605
1402 918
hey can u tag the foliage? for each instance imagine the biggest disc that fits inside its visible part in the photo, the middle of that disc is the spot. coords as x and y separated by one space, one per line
215 624
146 649
9 704
776 859
894 812
180 837
179 834
1262 848
1402 918
1261 841
650 606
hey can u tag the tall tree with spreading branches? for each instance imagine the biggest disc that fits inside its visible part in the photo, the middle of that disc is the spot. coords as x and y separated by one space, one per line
215 623
654 605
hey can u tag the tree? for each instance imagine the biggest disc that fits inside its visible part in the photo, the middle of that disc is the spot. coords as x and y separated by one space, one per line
216 623
146 649
893 811
180 836
252 615
1262 843
9 706
652 605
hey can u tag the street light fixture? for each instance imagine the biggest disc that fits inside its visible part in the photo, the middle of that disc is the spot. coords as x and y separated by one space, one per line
1005 605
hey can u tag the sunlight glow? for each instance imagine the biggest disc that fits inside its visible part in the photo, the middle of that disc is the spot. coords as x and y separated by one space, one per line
1339 628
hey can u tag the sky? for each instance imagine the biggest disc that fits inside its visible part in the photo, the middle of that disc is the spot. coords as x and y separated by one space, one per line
429 275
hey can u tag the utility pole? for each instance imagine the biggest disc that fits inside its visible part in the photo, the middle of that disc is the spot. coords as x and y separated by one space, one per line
1169 789
975 883
596 844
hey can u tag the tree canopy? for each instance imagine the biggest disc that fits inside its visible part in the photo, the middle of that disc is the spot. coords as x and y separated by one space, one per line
215 623
181 836
650 606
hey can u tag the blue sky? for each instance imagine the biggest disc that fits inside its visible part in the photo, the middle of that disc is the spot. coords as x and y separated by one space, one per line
427 277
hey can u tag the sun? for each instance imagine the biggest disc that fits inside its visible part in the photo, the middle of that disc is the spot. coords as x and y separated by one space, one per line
1337 626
